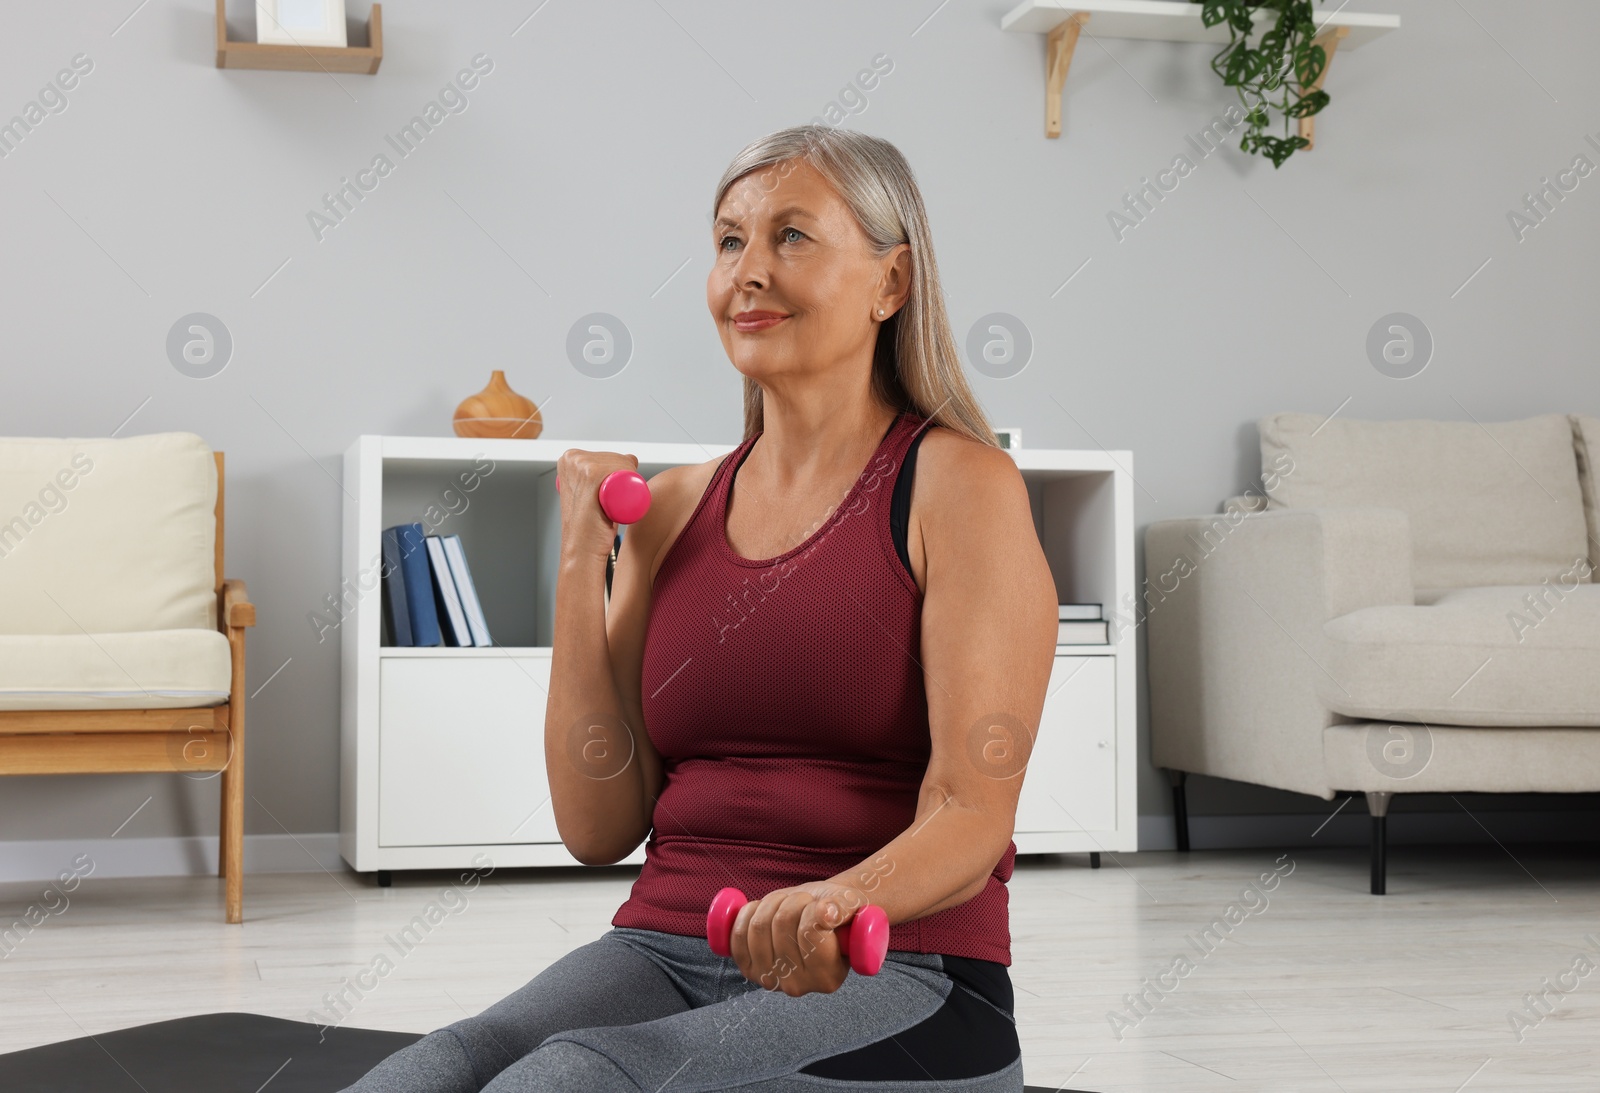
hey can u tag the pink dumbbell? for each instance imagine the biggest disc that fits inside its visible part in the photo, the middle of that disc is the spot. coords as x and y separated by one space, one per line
864 939
624 496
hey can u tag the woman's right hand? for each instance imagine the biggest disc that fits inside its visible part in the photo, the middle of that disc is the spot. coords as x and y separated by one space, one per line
585 527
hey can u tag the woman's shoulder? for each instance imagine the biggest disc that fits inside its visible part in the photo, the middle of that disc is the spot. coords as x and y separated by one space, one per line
964 494
680 488
954 465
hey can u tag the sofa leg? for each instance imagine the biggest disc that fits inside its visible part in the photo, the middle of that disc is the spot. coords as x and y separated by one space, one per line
1378 806
1180 806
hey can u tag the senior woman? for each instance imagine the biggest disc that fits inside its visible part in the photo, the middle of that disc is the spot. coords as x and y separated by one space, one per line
813 683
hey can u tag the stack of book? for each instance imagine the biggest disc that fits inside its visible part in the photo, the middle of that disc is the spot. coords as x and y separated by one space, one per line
1082 624
428 594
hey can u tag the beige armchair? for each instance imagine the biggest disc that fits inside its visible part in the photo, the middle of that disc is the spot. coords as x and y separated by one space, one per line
121 642
1411 607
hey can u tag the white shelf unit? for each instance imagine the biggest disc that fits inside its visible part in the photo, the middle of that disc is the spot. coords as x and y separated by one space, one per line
442 749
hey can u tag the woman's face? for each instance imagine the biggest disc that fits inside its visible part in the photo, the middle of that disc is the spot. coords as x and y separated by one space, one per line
789 250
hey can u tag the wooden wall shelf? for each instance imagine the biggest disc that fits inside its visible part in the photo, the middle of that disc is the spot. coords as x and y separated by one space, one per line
1165 20
360 60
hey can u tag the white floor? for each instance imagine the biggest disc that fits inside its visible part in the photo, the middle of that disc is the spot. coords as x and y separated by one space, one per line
1318 986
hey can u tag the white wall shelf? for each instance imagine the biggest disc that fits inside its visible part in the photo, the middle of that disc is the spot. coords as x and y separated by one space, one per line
1165 20
442 749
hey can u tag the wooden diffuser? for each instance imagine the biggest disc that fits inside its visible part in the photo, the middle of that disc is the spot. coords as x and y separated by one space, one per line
498 411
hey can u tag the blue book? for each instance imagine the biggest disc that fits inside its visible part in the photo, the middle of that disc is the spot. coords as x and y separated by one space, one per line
394 588
418 576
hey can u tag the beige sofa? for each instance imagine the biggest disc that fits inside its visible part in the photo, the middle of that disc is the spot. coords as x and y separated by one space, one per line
1408 607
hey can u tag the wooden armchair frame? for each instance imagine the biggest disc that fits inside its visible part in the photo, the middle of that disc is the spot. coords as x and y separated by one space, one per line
206 738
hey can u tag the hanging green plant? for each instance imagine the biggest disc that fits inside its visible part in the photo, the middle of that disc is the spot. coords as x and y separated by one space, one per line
1259 72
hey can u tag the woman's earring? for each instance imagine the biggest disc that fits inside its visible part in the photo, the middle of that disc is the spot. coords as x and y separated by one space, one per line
880 311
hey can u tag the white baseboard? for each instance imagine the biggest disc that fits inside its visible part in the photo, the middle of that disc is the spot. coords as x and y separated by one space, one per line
176 856
1353 827
45 859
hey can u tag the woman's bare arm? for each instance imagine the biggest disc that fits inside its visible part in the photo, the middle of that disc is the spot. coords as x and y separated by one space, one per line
604 773
988 645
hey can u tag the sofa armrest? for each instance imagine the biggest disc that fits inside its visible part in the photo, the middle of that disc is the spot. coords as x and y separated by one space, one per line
237 611
1234 606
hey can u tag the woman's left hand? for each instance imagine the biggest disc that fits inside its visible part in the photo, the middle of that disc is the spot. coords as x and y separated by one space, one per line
785 941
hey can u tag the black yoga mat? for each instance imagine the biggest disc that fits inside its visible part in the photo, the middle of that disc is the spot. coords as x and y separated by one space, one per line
211 1053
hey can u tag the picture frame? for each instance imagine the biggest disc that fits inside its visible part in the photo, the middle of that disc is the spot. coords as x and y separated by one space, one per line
301 23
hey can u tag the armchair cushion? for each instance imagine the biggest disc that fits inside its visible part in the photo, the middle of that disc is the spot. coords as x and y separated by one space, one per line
101 535
153 669
1497 503
1498 656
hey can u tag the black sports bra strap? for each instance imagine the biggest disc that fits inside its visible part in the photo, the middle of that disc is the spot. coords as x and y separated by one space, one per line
900 503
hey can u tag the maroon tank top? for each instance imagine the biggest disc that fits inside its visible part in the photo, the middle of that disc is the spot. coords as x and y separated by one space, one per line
786 699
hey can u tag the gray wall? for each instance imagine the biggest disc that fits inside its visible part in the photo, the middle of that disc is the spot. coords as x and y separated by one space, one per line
578 179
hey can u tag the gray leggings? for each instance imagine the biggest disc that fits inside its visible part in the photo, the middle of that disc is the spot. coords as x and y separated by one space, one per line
640 1010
